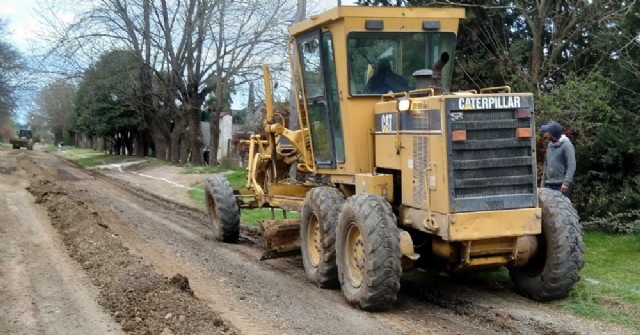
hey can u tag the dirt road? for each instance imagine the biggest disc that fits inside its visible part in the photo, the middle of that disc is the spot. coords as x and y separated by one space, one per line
84 252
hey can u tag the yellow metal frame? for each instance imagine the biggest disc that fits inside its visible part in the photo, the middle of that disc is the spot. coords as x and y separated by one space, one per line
262 152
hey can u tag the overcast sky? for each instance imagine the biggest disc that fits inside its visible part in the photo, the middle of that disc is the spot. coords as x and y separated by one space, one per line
22 22
21 18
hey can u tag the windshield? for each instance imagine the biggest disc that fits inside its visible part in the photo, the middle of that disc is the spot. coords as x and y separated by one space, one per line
380 62
25 133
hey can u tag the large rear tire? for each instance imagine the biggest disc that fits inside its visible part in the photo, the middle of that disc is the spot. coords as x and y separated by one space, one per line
368 252
320 212
224 217
554 270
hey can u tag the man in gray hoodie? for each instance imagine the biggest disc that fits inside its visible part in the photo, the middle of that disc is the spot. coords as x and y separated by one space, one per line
560 160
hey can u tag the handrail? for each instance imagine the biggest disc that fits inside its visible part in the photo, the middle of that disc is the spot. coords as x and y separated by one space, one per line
429 90
308 163
496 88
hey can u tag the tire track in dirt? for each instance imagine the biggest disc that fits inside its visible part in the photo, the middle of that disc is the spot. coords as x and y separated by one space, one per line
167 263
238 304
141 300
41 289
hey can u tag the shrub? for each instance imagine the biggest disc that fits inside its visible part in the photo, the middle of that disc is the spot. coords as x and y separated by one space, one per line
621 223
607 144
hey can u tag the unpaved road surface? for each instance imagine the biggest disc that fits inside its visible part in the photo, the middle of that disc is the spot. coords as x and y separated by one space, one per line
87 252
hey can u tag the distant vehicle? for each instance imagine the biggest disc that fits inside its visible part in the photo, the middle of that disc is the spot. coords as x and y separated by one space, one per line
24 139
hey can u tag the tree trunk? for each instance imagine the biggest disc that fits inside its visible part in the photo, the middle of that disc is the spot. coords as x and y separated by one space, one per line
177 141
141 143
214 131
536 20
128 143
160 133
195 136
160 146
161 142
175 146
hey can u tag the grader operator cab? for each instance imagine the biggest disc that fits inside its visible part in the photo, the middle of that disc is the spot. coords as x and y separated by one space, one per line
395 171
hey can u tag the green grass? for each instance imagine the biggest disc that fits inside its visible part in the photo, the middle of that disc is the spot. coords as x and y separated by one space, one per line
90 158
196 193
237 179
610 285
209 169
249 217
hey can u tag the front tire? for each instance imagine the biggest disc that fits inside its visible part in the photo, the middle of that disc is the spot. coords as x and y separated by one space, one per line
224 217
368 252
554 270
320 212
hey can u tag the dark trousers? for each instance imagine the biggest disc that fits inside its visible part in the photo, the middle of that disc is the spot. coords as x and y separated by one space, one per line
557 188
205 157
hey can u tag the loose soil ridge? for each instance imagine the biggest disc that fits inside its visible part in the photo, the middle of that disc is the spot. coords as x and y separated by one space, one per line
138 298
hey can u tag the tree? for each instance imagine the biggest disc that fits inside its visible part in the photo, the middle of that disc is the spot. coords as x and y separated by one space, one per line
186 50
254 115
533 45
54 106
221 41
105 99
11 67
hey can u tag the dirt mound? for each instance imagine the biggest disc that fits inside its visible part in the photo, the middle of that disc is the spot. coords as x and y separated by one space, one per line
141 300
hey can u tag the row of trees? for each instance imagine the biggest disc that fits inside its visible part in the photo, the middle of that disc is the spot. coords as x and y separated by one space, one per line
581 59
11 67
154 65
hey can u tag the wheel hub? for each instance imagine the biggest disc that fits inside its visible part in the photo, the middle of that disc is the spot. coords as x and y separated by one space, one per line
355 254
314 243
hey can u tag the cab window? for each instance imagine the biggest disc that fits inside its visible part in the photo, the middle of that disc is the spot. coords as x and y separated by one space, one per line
380 62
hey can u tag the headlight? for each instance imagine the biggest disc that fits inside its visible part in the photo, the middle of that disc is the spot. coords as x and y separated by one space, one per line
403 104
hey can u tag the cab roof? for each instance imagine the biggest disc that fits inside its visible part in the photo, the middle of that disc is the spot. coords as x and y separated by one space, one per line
375 13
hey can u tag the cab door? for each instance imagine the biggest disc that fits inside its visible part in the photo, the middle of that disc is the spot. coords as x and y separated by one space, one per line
321 93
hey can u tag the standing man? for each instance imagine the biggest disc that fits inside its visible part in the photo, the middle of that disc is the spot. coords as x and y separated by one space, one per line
560 160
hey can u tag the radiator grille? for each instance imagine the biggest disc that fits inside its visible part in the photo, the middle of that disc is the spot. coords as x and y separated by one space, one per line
491 164
420 161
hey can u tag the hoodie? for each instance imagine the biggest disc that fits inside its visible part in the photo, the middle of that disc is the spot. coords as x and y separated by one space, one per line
560 162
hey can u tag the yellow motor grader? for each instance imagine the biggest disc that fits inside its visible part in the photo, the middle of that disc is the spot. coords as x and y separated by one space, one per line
391 170
23 138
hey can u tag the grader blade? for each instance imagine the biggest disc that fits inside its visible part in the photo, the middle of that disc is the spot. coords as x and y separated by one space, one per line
282 238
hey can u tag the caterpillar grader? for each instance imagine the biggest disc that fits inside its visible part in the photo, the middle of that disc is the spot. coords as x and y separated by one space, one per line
390 170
